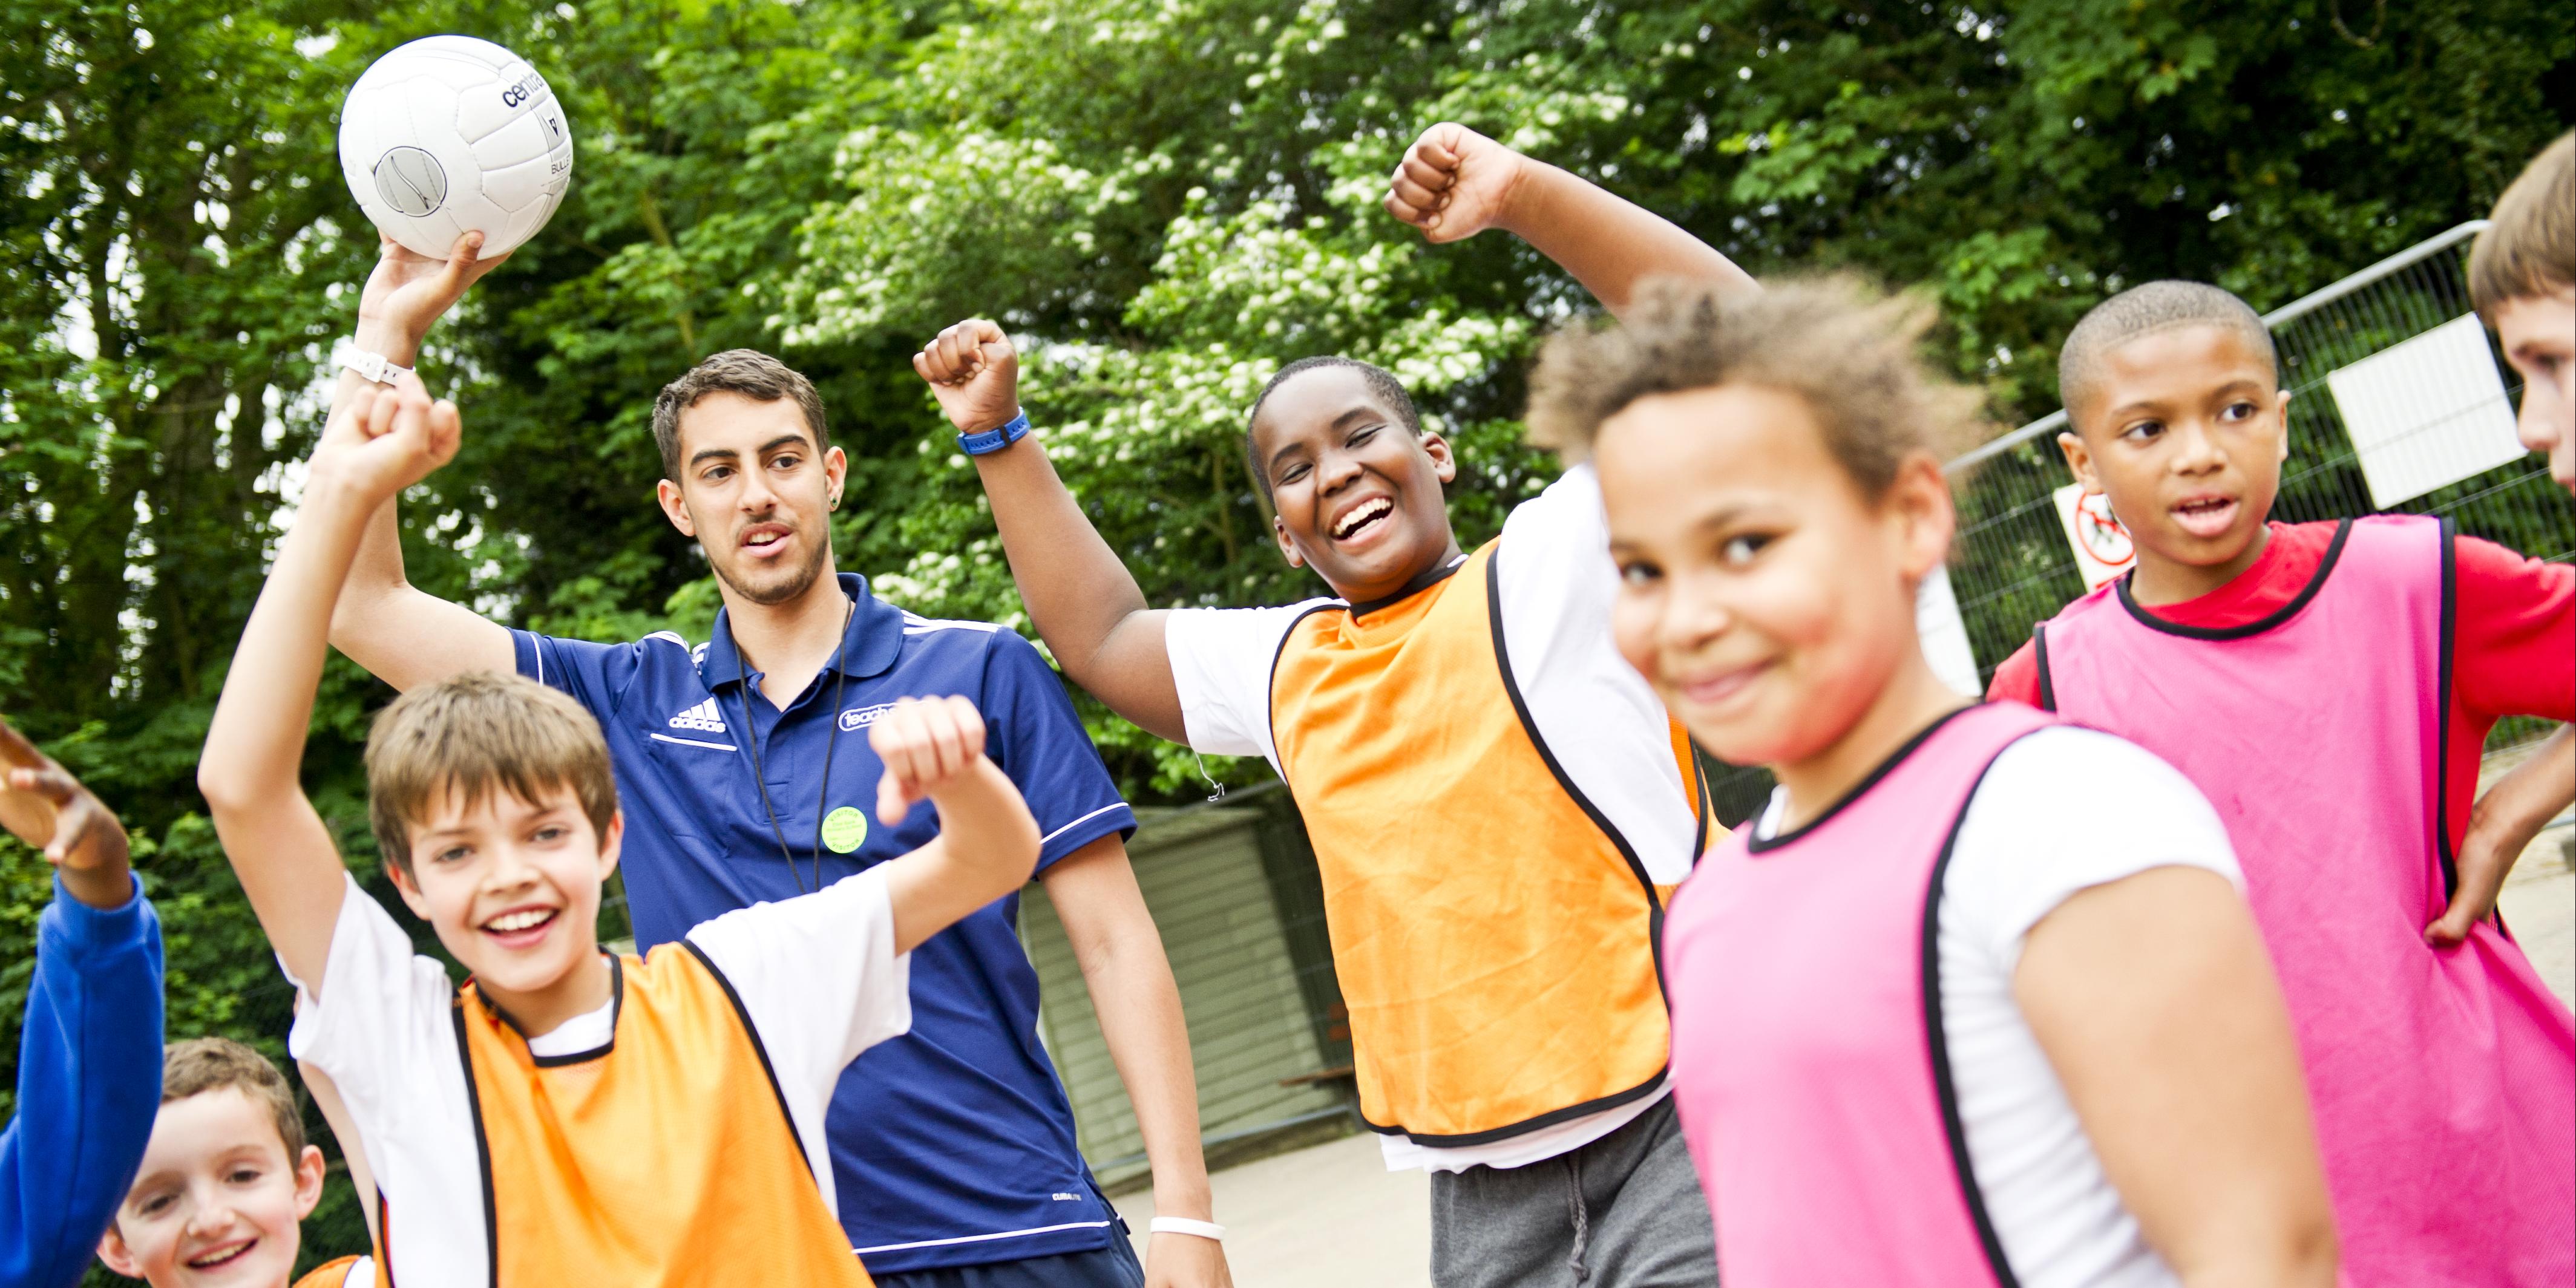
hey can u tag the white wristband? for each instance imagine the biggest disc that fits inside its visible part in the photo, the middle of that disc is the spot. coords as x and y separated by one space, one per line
372 366
1184 1225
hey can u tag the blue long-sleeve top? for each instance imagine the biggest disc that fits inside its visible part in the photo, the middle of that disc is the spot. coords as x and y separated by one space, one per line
89 1083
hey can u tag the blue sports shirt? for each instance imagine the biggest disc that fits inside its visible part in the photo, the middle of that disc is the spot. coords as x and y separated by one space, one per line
954 1144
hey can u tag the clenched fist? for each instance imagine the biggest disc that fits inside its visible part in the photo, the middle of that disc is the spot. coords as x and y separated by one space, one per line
1454 183
927 744
974 373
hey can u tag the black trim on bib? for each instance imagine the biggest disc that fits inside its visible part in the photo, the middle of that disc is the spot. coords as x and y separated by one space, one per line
1527 1125
1411 588
1707 802
1564 782
1943 1088
742 1016
616 1007
2442 722
2039 653
482 1148
1757 843
2325 569
1271 715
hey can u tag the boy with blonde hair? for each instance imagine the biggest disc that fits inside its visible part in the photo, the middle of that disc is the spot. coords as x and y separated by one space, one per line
565 1116
225 1181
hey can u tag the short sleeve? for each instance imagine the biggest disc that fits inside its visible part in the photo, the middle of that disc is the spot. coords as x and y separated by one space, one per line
2062 811
381 1019
1602 723
595 675
819 977
1038 740
1221 663
2516 633
2017 678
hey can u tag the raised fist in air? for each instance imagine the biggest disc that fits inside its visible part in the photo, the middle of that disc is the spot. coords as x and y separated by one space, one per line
44 806
1454 183
390 438
974 373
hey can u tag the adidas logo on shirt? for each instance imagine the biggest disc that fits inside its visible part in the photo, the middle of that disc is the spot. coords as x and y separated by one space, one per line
704 718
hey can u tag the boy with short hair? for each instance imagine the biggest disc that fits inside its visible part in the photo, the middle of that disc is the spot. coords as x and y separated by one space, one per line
565 1116
89 1049
225 1182
2329 686
2522 277
1497 802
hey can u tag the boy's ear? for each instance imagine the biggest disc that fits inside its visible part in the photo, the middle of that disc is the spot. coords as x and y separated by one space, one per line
674 508
611 841
308 1181
119 1258
408 889
2282 410
1444 463
1287 548
2079 459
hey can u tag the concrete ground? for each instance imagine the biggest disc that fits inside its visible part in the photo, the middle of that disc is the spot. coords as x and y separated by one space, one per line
1327 1216
1332 1216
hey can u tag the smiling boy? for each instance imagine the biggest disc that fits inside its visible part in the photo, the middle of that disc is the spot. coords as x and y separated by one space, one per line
565 1116
225 1181
1495 799
959 1133
2328 686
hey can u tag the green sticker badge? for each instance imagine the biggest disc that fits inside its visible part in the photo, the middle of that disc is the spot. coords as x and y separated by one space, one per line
844 829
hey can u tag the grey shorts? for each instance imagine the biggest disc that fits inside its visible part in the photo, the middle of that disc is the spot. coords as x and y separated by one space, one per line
1622 1212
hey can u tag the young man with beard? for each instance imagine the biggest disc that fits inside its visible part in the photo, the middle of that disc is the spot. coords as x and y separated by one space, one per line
1497 801
745 770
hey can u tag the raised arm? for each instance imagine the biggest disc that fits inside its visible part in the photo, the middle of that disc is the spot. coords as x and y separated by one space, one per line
1454 183
279 847
2155 1003
401 634
933 749
89 1046
1085 603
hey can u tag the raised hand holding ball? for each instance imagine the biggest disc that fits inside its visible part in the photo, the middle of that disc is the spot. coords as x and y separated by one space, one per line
450 135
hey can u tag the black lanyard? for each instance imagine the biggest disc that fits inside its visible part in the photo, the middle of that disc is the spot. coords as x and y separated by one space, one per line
760 778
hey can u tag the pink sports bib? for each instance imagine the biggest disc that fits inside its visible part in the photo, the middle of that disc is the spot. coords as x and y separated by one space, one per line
1808 1060
2444 1081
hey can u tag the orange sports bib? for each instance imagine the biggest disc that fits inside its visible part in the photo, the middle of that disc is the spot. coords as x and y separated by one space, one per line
1494 937
667 1159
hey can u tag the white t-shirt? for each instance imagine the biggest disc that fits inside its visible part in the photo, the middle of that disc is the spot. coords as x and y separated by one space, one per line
1605 725
2060 811
818 976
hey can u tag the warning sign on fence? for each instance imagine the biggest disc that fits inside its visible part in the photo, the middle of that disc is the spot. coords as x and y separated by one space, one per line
2102 547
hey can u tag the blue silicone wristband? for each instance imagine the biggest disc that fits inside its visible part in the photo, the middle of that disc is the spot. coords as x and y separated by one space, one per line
994 440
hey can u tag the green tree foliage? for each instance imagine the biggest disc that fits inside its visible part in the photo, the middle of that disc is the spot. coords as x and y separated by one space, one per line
1166 199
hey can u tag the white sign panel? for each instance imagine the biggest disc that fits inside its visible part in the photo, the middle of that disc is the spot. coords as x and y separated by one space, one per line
2426 413
1945 634
2102 547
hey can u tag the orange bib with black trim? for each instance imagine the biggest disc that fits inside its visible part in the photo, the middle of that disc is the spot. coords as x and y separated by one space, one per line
666 1159
1495 938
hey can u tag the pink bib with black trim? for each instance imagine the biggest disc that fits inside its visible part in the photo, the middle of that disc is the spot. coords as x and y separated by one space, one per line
1808 1060
2444 1080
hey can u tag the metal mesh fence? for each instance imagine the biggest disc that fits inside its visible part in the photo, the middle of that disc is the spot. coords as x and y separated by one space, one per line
2012 566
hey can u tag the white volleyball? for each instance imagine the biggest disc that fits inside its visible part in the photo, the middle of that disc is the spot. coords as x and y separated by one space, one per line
449 135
